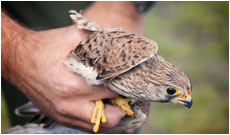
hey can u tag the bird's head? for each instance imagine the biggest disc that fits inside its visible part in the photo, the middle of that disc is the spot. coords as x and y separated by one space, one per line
169 84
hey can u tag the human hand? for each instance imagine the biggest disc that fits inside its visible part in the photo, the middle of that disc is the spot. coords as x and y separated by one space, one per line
33 61
38 70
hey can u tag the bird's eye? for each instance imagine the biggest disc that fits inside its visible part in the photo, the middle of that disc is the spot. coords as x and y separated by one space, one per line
171 91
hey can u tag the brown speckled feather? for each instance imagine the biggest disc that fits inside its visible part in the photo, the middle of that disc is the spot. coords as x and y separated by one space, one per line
83 23
113 53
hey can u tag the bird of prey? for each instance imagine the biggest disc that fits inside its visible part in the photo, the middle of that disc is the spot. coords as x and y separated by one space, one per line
129 65
126 63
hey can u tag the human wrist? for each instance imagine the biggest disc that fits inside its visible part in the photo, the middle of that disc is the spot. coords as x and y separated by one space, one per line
115 15
123 8
12 37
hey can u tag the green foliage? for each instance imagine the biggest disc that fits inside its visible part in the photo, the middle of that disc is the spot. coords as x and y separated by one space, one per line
193 36
4 116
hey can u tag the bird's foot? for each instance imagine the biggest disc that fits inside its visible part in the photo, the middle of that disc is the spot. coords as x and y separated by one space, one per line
123 103
98 115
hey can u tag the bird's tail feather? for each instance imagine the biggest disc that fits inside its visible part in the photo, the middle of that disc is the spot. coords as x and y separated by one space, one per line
82 22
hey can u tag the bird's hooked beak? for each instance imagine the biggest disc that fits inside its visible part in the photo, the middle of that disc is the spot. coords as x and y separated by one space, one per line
187 103
185 99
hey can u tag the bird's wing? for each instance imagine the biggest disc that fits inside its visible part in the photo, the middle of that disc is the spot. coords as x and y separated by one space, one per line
113 53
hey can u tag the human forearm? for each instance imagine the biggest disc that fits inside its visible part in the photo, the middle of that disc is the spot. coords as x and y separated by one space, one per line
23 50
13 35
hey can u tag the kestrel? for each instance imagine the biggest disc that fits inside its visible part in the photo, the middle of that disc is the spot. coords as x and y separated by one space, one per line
126 63
129 65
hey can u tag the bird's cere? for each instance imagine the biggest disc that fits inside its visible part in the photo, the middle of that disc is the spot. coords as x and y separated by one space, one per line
189 92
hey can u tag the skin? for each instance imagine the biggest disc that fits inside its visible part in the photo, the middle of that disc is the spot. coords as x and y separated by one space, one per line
33 62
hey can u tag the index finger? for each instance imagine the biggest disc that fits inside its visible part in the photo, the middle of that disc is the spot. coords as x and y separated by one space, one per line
100 92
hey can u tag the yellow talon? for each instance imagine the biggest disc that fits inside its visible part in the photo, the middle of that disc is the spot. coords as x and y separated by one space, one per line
103 117
93 118
98 115
123 104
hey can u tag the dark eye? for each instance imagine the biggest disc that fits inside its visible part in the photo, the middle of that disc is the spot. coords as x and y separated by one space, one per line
171 91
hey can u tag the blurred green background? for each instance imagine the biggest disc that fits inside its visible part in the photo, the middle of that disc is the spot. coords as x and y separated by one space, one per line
195 37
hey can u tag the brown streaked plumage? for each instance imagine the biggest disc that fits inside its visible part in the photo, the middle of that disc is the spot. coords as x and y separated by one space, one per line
128 64
125 59
113 53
